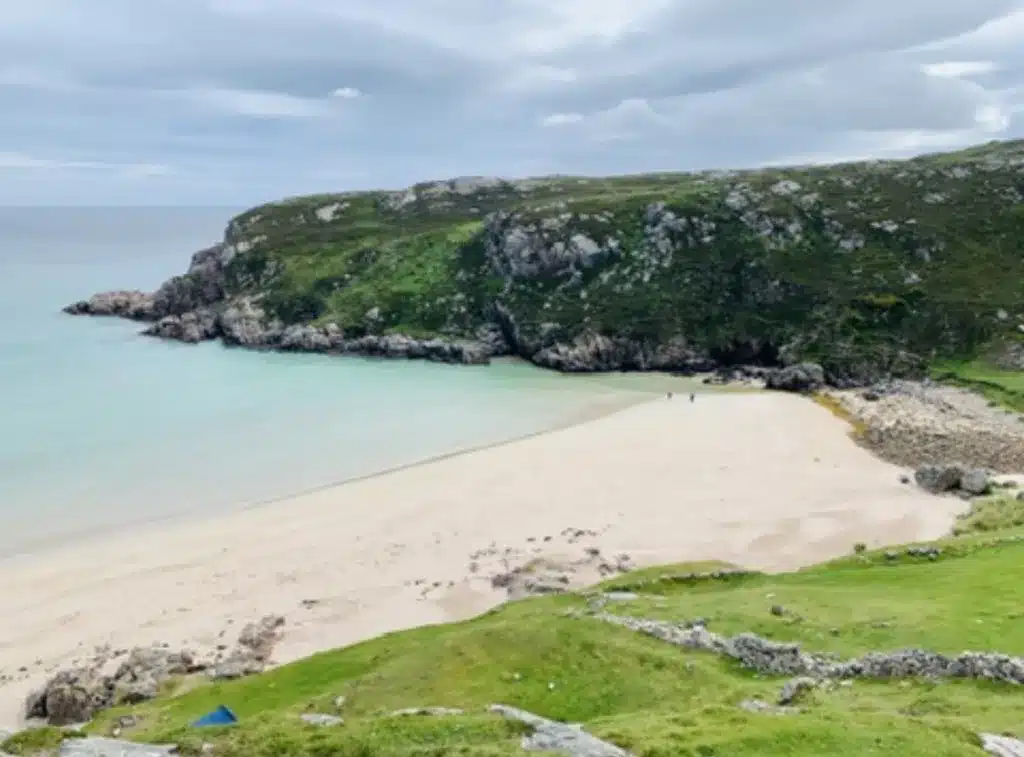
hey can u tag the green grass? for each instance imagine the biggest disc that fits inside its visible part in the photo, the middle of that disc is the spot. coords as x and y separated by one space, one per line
998 513
1001 387
646 695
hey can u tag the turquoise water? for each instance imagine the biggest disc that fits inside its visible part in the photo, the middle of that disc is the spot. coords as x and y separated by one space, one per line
102 427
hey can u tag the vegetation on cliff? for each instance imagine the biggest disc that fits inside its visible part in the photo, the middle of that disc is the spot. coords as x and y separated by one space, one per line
862 266
641 693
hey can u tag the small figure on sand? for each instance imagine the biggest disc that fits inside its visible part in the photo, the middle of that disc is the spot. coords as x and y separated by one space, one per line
692 395
670 395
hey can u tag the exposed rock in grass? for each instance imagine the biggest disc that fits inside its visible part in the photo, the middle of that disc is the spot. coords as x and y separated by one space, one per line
101 747
784 659
1002 746
550 735
321 720
436 712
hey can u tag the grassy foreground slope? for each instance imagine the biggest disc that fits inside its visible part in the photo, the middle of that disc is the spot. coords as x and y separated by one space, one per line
643 694
865 267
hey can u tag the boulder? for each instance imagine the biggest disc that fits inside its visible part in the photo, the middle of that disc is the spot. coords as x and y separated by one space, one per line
976 481
802 377
939 478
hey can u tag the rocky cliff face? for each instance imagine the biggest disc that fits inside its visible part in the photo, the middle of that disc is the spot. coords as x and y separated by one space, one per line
870 270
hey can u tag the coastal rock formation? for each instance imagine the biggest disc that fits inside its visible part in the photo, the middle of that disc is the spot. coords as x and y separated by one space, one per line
924 424
858 269
77 694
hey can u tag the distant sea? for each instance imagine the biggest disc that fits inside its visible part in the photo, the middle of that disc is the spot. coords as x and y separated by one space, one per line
101 427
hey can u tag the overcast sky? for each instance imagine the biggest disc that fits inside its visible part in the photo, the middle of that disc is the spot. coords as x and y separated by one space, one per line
231 102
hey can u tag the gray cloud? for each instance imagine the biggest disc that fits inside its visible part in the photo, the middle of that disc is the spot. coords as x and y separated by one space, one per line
229 101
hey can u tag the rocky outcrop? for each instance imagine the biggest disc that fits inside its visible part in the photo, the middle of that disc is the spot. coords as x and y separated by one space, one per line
77 694
123 303
776 267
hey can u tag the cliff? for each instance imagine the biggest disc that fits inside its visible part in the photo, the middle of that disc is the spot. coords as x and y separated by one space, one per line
869 269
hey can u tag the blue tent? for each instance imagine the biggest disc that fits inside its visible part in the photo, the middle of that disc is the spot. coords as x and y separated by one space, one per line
221 716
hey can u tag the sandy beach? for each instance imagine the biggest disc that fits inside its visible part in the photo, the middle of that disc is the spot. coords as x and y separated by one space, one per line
764 480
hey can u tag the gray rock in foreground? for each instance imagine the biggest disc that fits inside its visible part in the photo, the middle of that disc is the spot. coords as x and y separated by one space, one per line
1002 746
552 736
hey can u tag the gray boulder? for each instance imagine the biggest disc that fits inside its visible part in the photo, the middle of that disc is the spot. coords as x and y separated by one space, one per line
938 479
802 377
976 481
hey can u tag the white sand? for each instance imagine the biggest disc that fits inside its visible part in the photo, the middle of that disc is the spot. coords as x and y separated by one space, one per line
767 481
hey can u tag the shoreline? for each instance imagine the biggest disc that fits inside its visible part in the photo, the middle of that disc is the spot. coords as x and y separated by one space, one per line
764 480
605 400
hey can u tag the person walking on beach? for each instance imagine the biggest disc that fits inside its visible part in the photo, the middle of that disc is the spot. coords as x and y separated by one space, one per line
692 395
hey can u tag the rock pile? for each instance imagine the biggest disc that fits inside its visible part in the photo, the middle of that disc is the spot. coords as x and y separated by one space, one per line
783 659
75 695
913 424
252 652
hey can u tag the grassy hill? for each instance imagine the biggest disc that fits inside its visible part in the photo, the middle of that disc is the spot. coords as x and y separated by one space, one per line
648 696
865 267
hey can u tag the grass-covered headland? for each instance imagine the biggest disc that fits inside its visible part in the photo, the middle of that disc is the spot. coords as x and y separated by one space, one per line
556 657
869 269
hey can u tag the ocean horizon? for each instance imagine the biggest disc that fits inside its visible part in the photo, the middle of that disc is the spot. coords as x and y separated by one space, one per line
104 427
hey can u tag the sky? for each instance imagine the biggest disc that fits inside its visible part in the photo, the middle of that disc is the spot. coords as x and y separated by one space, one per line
234 102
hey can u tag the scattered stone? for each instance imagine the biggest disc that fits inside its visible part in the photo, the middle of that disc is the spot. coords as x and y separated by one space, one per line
778 611
923 423
321 720
552 736
252 651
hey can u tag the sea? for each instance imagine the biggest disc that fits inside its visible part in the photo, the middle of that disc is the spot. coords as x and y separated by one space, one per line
102 428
